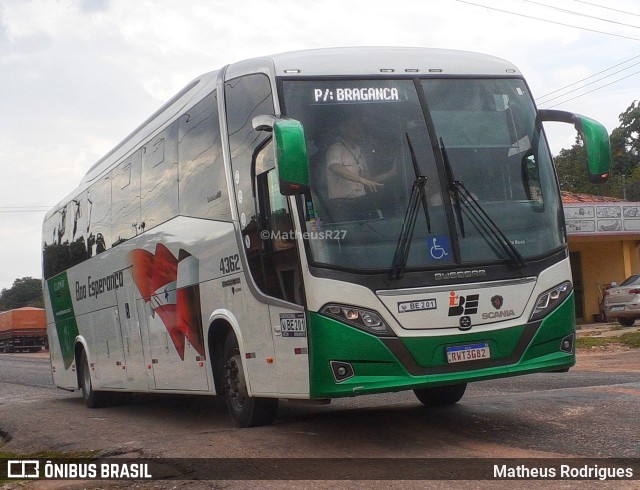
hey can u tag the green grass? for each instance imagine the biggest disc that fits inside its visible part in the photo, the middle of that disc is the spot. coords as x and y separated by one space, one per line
589 342
630 339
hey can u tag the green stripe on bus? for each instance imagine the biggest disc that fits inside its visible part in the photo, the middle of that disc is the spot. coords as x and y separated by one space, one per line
64 316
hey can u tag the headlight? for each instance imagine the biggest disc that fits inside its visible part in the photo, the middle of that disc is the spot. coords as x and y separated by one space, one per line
366 320
549 300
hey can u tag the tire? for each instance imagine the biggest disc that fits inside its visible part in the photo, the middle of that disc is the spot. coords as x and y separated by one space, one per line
245 411
92 398
441 396
626 322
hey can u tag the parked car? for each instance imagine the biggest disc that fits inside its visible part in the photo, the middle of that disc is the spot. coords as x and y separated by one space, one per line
622 302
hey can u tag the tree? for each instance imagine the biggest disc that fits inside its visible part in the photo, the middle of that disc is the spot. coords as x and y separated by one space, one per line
24 292
571 166
624 177
625 150
625 139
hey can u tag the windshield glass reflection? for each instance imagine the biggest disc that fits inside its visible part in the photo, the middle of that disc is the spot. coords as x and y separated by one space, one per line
369 144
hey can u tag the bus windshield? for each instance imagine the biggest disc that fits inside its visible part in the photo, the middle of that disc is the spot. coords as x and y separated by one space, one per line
384 153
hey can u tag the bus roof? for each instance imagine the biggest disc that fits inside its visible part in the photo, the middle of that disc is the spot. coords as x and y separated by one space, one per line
389 60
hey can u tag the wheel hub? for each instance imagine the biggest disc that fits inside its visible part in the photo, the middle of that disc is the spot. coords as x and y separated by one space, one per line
235 381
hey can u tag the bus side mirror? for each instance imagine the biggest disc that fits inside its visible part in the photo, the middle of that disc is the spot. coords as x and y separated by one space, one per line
291 157
290 152
595 138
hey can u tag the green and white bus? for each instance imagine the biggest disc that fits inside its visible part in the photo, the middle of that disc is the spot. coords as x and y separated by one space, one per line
222 249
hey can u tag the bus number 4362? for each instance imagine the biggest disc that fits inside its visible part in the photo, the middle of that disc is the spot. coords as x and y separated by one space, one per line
230 264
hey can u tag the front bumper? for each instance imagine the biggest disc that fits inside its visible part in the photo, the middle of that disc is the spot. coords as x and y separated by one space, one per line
395 364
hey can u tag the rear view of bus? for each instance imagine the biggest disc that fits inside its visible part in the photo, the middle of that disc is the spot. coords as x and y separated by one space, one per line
320 224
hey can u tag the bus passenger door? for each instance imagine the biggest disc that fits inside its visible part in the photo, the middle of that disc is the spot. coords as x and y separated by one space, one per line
283 282
274 271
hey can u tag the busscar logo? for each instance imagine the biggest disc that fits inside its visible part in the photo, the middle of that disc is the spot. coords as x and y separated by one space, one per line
463 305
444 276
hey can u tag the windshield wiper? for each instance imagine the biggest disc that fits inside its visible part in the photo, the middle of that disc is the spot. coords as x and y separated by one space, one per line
480 218
452 187
417 196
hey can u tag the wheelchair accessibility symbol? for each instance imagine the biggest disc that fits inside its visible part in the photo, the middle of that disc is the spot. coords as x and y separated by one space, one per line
439 247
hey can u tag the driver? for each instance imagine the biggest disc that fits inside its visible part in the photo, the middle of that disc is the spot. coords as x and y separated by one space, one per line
349 180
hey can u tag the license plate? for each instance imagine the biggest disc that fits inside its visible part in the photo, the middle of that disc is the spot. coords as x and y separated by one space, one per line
616 308
422 304
464 353
293 325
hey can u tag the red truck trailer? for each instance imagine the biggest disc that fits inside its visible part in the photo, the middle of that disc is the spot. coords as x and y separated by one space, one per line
23 329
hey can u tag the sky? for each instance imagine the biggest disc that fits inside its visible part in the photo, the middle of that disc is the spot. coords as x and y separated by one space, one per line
76 76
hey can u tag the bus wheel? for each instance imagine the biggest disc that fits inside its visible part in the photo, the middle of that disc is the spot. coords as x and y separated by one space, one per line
245 411
92 399
441 396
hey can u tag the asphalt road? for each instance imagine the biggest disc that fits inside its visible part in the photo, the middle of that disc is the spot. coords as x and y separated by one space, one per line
592 412
26 369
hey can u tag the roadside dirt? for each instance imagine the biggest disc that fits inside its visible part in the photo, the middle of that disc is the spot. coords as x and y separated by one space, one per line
608 358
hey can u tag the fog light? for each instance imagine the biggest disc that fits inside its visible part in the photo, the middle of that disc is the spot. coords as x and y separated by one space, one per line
567 344
341 370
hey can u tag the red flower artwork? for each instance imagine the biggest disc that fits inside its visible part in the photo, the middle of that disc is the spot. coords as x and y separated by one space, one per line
160 278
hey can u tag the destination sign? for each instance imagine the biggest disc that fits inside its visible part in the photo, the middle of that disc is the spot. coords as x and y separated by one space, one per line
356 94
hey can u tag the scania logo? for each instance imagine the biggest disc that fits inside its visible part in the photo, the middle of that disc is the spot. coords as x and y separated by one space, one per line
498 314
497 301
442 276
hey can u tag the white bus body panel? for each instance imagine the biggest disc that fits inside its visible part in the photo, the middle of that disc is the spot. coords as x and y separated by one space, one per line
130 345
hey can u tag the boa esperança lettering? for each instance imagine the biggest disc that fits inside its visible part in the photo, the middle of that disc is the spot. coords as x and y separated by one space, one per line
95 287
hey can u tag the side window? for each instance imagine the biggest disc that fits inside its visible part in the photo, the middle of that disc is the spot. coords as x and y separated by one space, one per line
247 97
279 252
279 216
77 211
99 208
125 189
159 187
51 253
64 235
56 250
203 186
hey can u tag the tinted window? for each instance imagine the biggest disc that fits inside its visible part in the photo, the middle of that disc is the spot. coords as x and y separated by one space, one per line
247 97
125 188
203 186
631 281
99 210
160 178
